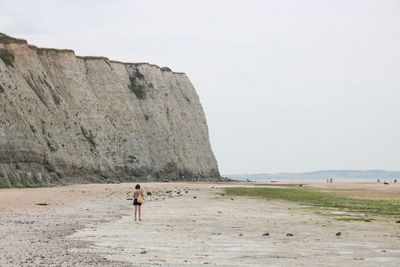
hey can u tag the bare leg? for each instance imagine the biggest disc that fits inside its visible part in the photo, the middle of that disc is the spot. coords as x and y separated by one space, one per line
135 212
140 207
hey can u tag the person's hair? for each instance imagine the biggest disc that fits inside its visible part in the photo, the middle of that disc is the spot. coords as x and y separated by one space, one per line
137 186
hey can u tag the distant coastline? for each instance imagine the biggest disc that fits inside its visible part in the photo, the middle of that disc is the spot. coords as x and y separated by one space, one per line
336 175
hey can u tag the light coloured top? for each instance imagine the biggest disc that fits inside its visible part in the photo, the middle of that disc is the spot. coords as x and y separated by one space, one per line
136 193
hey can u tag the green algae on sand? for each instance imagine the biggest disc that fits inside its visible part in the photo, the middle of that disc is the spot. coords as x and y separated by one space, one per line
319 198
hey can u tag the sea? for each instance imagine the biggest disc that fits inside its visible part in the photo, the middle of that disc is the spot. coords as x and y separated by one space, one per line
321 176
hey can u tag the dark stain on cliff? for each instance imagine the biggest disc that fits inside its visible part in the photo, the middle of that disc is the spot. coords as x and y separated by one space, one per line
89 137
137 85
53 147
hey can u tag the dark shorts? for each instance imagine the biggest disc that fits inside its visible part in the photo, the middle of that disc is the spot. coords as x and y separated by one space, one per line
136 203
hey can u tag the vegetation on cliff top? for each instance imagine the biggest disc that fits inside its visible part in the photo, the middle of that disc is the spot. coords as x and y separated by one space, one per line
6 57
165 69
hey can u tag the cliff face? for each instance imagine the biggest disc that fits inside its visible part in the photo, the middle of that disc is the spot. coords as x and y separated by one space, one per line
66 119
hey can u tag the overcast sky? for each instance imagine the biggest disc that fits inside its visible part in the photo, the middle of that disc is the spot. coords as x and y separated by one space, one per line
285 85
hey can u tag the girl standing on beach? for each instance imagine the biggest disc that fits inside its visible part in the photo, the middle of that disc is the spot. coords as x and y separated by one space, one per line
138 194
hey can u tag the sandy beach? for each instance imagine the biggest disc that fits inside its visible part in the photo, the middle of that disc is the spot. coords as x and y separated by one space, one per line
188 224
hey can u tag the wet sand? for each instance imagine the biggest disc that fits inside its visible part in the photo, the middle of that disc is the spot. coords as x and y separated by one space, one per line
93 225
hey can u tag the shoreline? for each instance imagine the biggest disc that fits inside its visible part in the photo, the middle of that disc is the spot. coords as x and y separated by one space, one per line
12 199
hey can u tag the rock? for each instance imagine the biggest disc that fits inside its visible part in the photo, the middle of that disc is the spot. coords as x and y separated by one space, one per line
194 197
148 193
266 234
41 204
397 221
143 252
129 198
231 198
383 250
289 234
240 234
102 120
338 233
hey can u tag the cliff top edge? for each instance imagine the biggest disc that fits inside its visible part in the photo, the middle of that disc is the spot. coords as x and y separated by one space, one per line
6 39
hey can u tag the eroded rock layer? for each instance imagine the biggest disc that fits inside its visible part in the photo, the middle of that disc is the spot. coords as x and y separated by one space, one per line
70 119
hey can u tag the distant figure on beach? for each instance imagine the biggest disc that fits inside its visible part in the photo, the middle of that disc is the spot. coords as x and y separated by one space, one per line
137 195
379 180
327 180
331 180
395 180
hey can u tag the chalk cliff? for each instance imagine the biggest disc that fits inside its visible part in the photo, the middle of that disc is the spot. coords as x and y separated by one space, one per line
70 119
